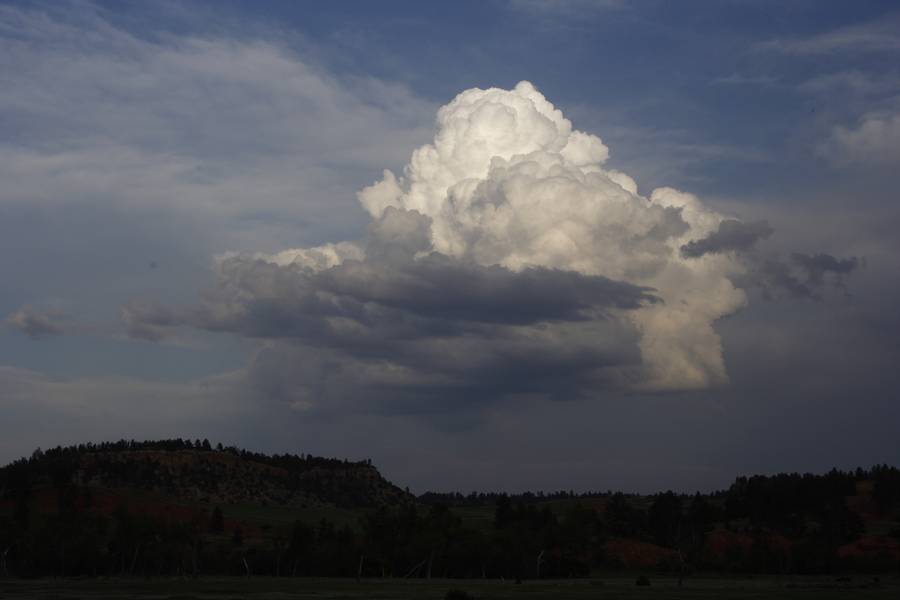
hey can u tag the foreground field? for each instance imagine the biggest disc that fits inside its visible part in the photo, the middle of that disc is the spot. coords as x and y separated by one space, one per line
436 589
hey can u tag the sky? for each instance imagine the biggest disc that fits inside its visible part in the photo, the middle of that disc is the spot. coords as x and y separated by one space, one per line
497 245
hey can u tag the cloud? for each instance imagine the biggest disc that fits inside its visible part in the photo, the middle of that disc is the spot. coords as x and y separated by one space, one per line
240 133
801 276
873 142
263 299
731 236
853 81
749 80
405 323
508 181
566 8
819 266
504 260
435 284
34 323
126 144
874 37
149 321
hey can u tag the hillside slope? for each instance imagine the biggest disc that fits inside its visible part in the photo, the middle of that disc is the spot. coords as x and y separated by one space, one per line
182 507
195 472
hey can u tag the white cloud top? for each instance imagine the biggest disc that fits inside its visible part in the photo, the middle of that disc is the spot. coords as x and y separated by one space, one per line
507 181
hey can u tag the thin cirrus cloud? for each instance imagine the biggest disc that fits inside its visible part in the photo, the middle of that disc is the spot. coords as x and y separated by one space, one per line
868 134
877 37
210 127
122 150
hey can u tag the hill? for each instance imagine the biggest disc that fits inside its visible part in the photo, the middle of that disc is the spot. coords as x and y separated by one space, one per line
183 507
196 472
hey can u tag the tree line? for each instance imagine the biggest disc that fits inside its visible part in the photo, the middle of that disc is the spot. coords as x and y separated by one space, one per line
786 523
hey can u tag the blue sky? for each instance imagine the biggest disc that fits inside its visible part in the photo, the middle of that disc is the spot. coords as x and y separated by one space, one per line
139 141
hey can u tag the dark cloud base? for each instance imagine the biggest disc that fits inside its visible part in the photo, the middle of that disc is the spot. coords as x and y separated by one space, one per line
415 332
732 236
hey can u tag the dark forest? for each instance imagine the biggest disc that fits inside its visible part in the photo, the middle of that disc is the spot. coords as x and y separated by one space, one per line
182 507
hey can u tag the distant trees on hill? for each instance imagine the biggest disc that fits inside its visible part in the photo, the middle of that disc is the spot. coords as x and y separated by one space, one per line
53 523
287 461
247 476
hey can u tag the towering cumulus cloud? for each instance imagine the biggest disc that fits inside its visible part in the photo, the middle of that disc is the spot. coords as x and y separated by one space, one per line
506 260
507 181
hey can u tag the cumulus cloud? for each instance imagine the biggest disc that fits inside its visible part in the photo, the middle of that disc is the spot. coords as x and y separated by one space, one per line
731 236
35 323
506 259
403 323
508 181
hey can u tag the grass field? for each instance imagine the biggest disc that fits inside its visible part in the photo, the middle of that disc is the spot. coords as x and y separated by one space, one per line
618 587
